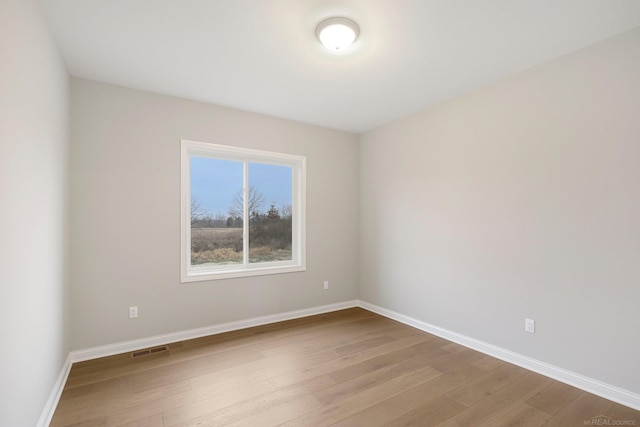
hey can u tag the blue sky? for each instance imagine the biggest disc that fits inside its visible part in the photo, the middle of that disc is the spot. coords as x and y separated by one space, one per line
214 183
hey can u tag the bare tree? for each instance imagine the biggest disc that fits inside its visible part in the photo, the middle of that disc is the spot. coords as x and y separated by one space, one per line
255 202
286 211
197 211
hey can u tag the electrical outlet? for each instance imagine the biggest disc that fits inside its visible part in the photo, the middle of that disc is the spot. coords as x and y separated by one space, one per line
133 312
530 325
326 284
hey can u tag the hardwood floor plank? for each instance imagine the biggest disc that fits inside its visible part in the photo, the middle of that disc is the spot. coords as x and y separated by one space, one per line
553 397
236 412
99 422
623 413
488 363
337 406
105 370
338 363
517 414
103 389
359 346
244 406
430 413
451 361
583 408
210 399
487 384
96 405
345 389
152 421
483 409
375 363
276 415
411 399
159 377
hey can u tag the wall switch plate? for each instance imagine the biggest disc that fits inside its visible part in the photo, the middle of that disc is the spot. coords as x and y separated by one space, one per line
326 284
530 325
133 312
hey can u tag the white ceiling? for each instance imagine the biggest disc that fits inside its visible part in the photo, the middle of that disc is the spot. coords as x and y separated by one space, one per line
262 55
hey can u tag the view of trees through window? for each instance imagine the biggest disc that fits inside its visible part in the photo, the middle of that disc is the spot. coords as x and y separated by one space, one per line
218 213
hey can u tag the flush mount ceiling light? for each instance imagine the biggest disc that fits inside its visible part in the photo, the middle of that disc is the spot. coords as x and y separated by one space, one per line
337 34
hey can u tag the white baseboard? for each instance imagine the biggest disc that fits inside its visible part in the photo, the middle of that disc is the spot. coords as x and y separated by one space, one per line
54 397
607 391
129 346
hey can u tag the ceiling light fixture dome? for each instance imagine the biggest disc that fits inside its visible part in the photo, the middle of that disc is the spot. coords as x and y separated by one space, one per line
337 33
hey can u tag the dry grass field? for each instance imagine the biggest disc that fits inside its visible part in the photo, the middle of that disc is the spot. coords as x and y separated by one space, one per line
224 246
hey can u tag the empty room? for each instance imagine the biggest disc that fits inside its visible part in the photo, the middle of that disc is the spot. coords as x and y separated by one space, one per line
319 213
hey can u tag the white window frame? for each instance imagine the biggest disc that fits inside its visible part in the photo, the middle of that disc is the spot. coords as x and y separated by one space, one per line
191 273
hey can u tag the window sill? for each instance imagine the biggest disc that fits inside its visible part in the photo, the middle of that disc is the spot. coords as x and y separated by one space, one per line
195 275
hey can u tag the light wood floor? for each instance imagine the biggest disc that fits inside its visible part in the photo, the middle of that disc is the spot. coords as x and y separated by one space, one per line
346 368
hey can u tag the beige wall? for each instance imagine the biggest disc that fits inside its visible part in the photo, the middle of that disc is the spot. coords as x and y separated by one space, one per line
125 173
33 213
521 199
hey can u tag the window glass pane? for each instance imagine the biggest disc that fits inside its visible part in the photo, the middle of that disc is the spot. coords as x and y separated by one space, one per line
216 211
270 212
